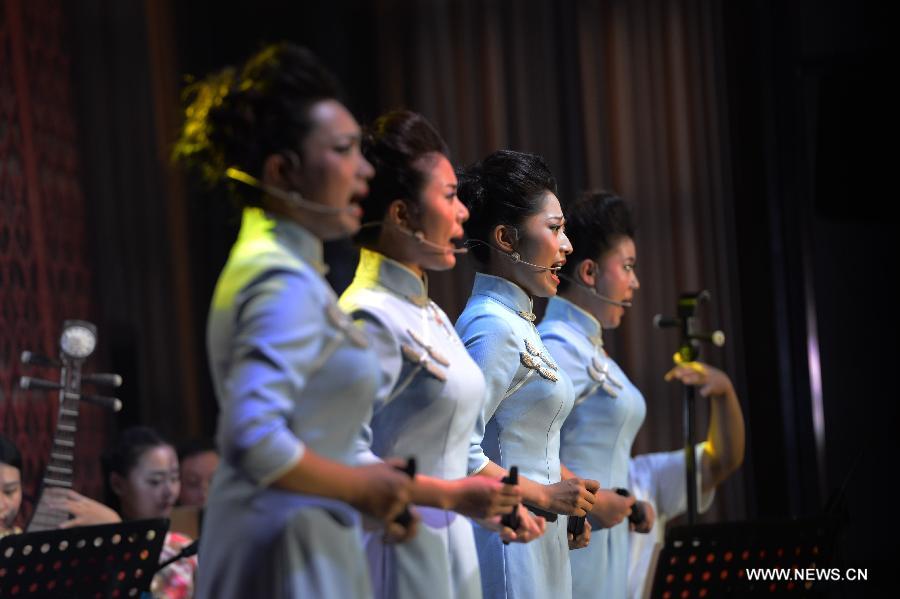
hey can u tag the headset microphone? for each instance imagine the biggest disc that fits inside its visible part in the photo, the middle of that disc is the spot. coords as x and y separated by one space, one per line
595 293
419 236
291 197
515 257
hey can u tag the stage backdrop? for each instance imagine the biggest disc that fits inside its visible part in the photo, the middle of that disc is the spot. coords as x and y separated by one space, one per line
622 95
629 96
45 276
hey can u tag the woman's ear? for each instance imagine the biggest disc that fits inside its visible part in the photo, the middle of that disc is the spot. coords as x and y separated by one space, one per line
398 214
116 483
279 168
504 238
586 272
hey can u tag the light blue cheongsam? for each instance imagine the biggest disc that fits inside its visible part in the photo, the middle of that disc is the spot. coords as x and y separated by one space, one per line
291 371
430 398
528 398
596 437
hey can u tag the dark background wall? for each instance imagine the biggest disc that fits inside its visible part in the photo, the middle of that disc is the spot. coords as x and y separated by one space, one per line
813 108
750 137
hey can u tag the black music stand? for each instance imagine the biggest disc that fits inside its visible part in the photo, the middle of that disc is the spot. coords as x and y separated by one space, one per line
711 560
110 560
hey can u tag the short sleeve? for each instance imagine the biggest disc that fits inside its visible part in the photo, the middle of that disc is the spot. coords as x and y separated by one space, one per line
660 479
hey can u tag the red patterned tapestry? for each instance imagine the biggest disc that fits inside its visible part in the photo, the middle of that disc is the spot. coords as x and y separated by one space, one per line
44 274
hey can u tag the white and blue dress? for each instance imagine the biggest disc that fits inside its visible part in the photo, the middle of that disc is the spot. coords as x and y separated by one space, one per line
291 372
430 398
528 398
596 437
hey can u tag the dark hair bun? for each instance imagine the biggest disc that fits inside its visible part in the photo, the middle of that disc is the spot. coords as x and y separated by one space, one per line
505 188
396 144
240 117
594 224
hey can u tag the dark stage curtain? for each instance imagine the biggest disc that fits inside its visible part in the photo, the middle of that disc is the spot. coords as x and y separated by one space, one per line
127 107
624 95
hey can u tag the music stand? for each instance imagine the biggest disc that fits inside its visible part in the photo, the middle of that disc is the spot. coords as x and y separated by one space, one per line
711 560
110 560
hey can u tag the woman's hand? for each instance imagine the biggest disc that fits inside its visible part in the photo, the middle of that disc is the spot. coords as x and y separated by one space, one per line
482 497
572 497
583 539
85 511
649 518
712 381
610 508
383 492
530 526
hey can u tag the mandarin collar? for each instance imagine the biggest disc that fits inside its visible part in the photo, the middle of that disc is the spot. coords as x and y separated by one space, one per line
505 292
377 268
257 224
559 308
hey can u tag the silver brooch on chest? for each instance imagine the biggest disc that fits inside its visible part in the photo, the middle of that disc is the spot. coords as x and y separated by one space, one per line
531 362
529 316
342 322
537 353
424 361
435 355
599 372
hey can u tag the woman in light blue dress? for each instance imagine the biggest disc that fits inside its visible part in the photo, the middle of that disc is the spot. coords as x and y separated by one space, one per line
598 282
517 225
431 392
293 375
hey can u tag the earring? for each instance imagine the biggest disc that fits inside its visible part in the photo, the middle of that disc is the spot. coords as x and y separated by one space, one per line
420 236
515 257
